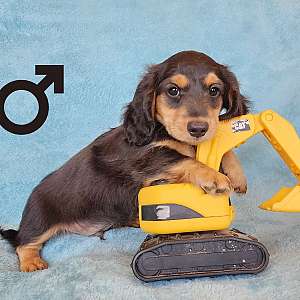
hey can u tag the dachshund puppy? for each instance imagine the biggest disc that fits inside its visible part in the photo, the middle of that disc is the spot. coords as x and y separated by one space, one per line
176 105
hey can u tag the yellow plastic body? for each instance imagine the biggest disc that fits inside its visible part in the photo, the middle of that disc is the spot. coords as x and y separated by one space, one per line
216 212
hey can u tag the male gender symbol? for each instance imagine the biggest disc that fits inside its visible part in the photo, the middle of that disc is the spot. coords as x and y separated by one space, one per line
54 74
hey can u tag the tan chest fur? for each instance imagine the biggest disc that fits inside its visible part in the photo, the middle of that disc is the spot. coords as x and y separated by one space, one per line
181 148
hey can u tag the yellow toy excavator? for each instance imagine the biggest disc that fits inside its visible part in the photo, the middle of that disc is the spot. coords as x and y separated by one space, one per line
191 236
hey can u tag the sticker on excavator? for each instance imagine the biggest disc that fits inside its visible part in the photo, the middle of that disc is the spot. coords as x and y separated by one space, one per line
240 125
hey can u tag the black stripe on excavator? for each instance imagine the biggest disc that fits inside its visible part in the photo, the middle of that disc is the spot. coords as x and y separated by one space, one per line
161 212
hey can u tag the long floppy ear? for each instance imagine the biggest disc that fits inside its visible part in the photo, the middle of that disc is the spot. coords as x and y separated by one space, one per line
139 122
234 103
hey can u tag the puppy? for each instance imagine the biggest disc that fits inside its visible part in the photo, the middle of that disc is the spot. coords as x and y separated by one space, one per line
176 105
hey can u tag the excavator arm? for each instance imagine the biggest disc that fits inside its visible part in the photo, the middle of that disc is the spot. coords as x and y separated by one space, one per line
281 135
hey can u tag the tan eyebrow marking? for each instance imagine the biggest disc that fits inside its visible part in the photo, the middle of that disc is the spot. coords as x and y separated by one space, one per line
180 80
211 78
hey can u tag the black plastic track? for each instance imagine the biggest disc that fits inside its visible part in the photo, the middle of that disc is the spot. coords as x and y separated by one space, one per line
199 254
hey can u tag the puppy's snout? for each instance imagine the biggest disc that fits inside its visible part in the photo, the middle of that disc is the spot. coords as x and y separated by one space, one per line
197 129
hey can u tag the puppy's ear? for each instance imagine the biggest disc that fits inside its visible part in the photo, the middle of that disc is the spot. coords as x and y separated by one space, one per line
234 103
139 122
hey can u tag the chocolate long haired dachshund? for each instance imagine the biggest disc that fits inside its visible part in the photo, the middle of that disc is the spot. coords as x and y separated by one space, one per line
176 105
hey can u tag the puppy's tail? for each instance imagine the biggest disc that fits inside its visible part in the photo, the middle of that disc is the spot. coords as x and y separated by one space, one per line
10 235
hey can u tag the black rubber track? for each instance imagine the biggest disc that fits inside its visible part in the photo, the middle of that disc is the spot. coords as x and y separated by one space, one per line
199 254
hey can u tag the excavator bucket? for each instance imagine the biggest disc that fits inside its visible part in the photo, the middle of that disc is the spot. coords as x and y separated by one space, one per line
286 200
285 140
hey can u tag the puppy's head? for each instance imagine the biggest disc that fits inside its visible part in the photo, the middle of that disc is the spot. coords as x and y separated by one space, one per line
186 94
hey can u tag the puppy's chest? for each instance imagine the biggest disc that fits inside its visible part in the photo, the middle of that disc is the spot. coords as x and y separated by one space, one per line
181 148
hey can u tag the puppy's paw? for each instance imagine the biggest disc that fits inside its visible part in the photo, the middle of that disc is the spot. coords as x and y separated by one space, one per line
216 184
239 183
240 187
34 264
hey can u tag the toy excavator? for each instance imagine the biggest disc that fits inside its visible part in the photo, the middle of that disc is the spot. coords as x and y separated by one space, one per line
192 238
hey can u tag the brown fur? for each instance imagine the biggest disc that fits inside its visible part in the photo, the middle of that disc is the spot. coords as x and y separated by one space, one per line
181 80
182 148
174 120
191 171
29 254
211 78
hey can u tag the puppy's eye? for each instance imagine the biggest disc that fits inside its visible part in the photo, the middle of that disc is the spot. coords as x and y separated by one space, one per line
214 91
173 91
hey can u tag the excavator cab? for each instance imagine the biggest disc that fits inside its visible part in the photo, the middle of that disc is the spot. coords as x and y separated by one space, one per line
192 238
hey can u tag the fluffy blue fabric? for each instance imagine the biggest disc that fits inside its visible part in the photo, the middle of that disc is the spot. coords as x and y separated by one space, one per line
105 46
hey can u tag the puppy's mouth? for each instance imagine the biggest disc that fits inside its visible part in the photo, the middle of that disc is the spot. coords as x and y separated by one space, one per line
194 139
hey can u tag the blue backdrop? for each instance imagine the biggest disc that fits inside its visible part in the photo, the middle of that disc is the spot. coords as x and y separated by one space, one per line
105 46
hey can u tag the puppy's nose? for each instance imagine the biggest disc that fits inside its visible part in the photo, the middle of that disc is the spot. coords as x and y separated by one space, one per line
197 129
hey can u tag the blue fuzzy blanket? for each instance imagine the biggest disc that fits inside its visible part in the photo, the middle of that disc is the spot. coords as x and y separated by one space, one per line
104 46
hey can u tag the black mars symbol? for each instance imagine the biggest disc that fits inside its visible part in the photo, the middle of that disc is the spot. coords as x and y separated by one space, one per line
54 74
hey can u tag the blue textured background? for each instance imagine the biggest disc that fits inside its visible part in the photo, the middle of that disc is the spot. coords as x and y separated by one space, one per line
105 46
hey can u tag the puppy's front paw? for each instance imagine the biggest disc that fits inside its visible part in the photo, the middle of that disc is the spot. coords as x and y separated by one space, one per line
239 185
238 181
217 184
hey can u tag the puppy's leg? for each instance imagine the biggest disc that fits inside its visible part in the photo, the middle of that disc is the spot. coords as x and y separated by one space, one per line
232 168
29 253
188 170
135 223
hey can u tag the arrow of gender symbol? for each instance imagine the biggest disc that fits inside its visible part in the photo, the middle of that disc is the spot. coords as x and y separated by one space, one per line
54 74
